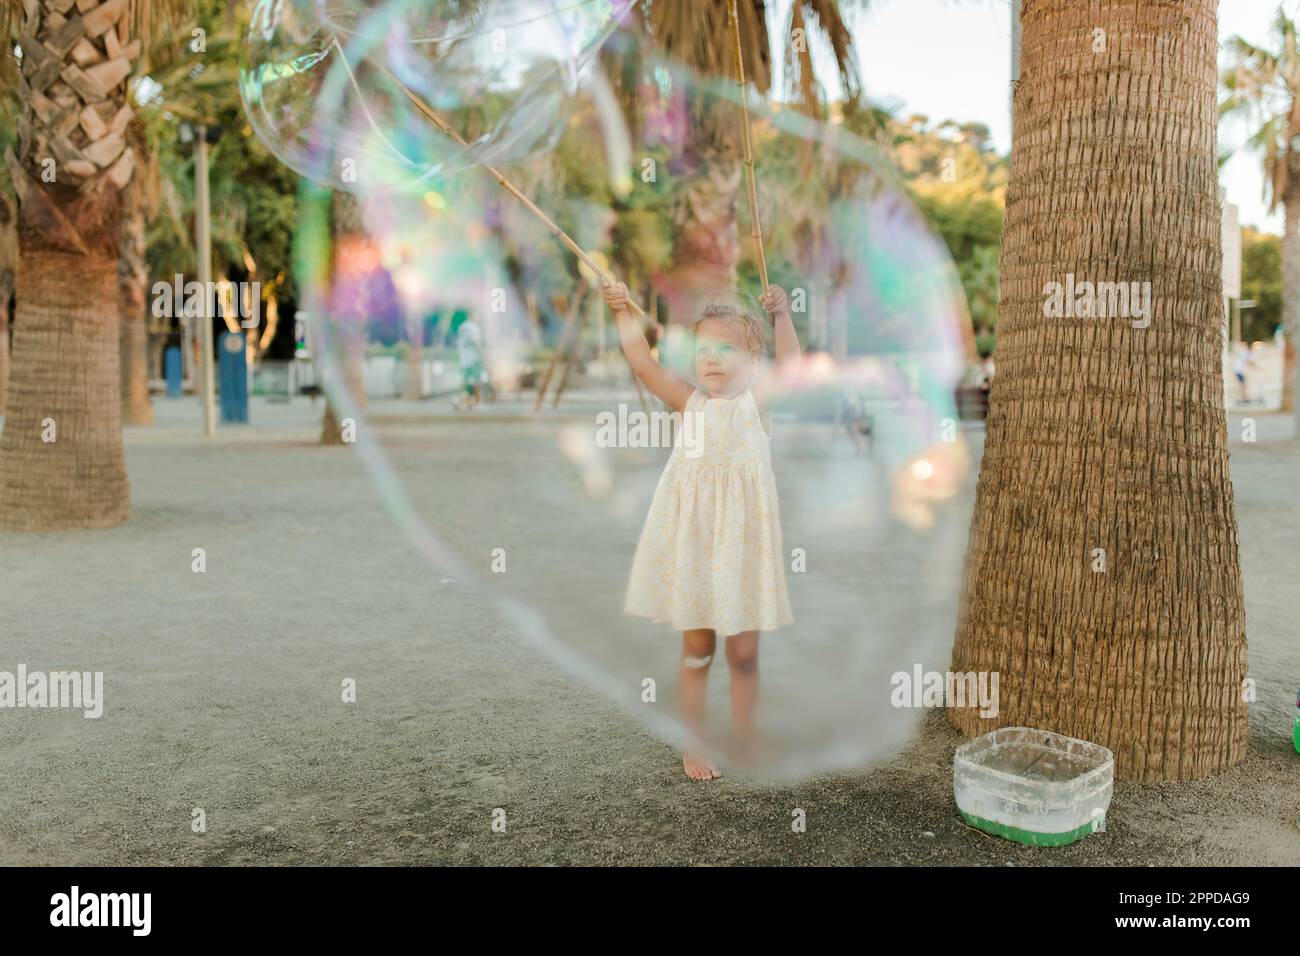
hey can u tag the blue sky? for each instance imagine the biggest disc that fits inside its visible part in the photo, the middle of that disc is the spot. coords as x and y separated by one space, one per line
951 59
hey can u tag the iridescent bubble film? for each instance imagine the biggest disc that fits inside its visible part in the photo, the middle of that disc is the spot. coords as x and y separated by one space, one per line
342 90
643 172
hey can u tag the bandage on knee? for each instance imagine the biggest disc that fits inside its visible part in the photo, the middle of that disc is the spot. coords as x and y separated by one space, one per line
697 661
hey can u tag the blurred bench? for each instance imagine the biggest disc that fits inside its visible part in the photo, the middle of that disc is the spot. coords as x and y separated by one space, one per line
972 403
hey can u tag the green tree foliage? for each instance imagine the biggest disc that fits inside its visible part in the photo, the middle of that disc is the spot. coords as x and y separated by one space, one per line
254 196
959 183
951 168
1261 280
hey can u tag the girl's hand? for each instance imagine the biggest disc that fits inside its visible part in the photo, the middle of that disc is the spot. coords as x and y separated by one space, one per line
775 301
616 296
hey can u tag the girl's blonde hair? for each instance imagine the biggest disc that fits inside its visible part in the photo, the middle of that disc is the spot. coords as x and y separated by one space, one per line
738 311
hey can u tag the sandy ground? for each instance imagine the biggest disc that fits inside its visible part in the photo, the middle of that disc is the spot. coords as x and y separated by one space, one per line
223 693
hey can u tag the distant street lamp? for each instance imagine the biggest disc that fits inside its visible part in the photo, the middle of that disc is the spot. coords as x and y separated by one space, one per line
202 137
185 133
1240 304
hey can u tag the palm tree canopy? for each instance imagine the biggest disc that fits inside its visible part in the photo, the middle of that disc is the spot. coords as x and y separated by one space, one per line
1263 86
149 20
697 34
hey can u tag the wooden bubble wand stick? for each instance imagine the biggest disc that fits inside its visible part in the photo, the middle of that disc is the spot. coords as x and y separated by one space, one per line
756 228
596 269
514 190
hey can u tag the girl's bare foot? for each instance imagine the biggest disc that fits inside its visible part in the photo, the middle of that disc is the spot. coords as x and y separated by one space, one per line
697 768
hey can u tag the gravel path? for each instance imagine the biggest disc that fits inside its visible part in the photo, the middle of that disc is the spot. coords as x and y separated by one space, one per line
223 691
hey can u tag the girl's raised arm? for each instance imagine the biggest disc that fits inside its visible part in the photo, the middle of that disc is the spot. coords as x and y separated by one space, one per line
672 390
777 304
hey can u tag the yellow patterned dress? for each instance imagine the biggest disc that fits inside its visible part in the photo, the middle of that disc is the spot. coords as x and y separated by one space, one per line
710 554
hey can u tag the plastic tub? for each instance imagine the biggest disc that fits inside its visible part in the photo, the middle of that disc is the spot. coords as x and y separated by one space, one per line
1033 786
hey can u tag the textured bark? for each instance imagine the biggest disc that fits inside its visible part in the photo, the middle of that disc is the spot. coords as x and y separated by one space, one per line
8 275
707 163
65 368
707 170
331 429
75 65
706 249
354 377
415 361
1291 283
64 374
1290 379
4 354
1102 435
348 228
133 274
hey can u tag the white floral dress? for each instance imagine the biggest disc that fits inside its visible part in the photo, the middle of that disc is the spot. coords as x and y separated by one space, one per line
710 554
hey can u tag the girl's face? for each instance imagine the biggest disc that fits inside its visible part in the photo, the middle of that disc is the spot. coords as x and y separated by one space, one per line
723 365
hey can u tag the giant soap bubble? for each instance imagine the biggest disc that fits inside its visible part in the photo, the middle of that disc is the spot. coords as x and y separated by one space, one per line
540 515
505 71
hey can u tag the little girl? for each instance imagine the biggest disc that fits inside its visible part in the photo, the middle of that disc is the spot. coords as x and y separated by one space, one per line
710 559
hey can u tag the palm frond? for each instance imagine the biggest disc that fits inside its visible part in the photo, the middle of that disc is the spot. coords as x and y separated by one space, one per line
150 20
826 13
1263 85
698 35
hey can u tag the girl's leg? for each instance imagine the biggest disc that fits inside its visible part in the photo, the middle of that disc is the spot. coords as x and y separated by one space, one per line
697 653
742 656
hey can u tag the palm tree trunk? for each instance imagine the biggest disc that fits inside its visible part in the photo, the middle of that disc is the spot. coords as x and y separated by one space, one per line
1291 287
353 371
1102 578
415 360
348 231
706 248
61 461
8 274
134 337
4 349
